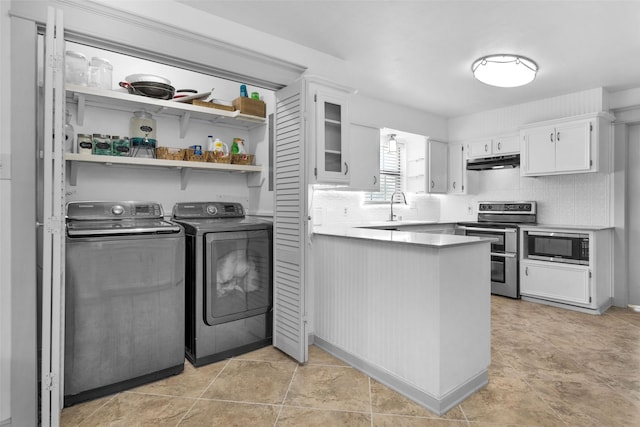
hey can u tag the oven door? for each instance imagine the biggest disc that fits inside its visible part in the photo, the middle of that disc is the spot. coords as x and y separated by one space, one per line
505 239
237 275
504 274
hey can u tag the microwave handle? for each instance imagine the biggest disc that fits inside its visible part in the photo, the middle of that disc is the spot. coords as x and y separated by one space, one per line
554 234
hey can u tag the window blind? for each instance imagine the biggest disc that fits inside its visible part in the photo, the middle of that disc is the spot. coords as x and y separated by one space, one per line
390 174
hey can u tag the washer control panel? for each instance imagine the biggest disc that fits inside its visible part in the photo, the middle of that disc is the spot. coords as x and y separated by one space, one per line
113 210
208 210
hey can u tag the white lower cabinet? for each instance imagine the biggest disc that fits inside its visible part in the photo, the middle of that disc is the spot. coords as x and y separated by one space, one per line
561 282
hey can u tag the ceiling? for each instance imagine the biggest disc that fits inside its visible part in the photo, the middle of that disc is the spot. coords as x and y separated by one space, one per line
419 53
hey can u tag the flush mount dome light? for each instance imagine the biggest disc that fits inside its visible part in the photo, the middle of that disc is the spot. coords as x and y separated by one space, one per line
505 70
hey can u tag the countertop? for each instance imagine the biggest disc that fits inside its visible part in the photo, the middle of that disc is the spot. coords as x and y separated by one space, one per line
395 236
566 227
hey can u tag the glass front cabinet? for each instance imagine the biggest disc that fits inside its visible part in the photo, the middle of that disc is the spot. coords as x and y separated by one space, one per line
331 135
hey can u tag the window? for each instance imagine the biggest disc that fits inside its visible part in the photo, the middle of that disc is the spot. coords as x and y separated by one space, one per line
391 172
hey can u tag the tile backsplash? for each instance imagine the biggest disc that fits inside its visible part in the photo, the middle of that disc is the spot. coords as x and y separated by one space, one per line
580 199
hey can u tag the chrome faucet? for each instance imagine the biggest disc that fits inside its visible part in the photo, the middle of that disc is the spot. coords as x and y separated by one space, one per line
392 216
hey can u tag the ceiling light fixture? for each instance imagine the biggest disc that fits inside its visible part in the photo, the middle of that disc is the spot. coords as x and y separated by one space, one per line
393 143
505 70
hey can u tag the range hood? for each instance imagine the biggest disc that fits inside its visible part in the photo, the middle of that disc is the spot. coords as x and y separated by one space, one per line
496 162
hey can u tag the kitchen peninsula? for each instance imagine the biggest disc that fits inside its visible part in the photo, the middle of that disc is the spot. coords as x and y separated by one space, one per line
410 309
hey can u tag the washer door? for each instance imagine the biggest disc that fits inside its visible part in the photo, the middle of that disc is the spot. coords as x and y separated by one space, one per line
237 275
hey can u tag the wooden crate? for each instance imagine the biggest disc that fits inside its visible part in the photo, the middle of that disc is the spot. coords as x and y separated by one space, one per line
210 104
252 107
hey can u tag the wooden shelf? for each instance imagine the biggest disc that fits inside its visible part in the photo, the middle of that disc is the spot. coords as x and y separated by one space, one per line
185 168
90 96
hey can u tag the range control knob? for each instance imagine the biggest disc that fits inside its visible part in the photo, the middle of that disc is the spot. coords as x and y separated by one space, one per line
117 210
212 210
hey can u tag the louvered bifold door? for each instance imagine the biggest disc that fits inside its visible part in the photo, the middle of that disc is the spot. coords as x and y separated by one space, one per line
289 334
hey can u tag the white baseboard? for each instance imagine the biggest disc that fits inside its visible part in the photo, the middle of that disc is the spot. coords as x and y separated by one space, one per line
5 423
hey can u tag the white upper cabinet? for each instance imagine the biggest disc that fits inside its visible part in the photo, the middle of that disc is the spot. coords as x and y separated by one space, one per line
494 146
565 146
457 169
331 135
365 158
427 166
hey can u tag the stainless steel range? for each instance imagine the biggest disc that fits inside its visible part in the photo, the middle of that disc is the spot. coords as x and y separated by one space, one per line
500 220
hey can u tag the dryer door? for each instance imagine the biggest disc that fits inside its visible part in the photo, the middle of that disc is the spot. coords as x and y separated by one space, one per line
237 275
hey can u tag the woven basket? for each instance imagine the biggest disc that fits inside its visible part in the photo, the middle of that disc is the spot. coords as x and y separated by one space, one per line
192 157
218 157
242 159
169 153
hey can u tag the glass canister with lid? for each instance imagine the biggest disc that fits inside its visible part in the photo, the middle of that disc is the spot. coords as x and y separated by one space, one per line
100 73
85 143
101 144
76 68
142 129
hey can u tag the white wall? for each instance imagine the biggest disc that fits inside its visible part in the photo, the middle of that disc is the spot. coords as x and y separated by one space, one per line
5 220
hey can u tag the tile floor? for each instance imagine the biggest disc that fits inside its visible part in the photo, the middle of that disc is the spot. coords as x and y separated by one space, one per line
550 367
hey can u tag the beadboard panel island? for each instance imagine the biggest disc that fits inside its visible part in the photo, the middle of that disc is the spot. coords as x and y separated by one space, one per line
411 310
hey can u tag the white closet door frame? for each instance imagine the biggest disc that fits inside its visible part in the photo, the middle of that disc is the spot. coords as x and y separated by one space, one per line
52 387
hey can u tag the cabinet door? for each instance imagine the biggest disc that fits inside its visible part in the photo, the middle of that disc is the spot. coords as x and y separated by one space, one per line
538 151
416 166
457 170
364 142
479 148
555 282
506 145
332 151
438 161
573 146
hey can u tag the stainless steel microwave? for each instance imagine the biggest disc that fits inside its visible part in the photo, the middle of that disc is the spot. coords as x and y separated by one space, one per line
570 248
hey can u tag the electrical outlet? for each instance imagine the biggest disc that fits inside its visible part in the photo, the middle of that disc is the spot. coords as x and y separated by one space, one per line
346 211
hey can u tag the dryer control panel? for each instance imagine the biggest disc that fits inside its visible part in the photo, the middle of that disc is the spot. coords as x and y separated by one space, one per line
186 210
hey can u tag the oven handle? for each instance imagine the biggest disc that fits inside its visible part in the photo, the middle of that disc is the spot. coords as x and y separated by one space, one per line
496 230
503 255
554 234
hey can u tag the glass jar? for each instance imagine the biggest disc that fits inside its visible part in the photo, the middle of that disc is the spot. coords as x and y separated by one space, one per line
76 68
85 143
120 146
69 134
100 72
142 129
101 144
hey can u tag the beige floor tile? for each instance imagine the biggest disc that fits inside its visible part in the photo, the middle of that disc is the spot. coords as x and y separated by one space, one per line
133 410
588 405
387 401
308 417
509 401
74 415
329 387
190 383
380 420
318 356
213 413
269 354
252 381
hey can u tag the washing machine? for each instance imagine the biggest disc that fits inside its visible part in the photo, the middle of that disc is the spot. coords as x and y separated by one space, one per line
124 296
229 284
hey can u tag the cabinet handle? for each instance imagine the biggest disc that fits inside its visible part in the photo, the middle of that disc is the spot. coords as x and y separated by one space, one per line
499 146
486 148
454 185
433 184
526 271
551 137
375 180
558 136
346 168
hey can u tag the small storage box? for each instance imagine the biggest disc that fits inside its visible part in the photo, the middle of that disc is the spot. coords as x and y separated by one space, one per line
252 107
212 104
218 157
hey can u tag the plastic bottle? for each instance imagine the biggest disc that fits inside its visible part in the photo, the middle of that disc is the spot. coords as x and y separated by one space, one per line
69 134
234 147
243 91
210 143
